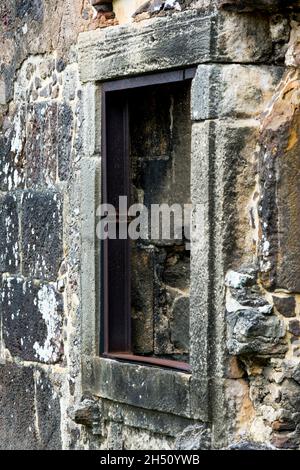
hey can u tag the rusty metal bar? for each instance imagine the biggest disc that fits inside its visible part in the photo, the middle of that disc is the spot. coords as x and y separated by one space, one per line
154 361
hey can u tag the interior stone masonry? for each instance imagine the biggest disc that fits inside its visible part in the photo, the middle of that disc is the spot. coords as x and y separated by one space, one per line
214 358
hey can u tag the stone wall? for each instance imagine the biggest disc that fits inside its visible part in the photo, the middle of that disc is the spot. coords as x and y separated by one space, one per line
46 137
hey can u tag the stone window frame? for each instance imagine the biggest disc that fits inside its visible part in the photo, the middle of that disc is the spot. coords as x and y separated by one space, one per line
135 50
112 379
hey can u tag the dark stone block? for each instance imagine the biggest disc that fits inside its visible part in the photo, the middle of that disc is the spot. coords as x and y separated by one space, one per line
252 332
42 234
9 234
31 320
17 408
285 306
285 440
60 65
48 411
160 143
291 394
294 327
283 425
48 143
180 323
177 269
32 8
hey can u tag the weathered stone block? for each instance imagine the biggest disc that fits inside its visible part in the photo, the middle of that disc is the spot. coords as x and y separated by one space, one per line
48 143
142 297
242 38
294 327
177 269
12 142
17 408
179 325
31 320
238 280
41 141
285 305
239 91
149 46
291 370
9 234
251 332
42 234
141 386
280 191
48 413
90 251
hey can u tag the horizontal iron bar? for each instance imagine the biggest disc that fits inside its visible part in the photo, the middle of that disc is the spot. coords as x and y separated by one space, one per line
152 361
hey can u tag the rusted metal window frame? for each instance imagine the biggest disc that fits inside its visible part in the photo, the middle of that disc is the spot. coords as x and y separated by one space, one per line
115 334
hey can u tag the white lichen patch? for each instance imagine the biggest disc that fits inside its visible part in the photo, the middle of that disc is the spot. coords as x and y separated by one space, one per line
47 306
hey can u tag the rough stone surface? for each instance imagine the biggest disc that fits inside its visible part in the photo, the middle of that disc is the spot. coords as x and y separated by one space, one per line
17 410
196 437
285 305
278 176
137 385
251 332
209 38
238 91
294 327
31 320
23 425
48 413
42 234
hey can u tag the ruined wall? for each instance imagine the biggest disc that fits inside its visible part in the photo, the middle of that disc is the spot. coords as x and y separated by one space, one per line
262 298
42 142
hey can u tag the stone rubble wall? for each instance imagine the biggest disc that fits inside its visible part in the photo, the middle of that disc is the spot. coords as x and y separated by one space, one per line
263 324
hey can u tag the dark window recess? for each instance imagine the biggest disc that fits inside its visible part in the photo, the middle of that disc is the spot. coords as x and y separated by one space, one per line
146 156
